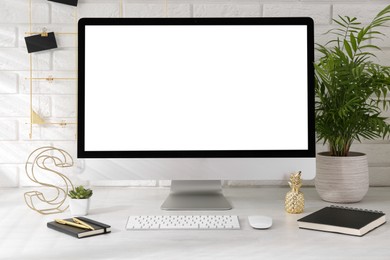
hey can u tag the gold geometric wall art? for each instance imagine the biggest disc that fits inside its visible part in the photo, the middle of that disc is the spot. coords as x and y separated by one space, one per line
36 119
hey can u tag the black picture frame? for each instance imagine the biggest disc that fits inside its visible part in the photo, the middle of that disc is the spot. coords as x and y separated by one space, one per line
36 43
66 2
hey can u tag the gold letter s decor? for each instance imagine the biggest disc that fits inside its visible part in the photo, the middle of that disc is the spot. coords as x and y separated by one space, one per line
46 160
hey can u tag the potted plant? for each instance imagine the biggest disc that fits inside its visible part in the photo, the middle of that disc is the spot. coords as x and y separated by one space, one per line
351 93
79 201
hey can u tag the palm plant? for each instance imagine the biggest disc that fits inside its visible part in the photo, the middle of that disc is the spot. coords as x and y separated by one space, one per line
350 87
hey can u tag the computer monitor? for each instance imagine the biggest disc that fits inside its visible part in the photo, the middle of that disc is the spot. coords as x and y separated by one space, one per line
196 99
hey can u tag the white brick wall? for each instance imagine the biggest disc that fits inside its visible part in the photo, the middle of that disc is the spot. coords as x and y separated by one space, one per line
17 12
227 10
8 130
8 83
8 36
9 175
321 13
365 11
157 10
65 86
56 101
64 59
64 106
14 59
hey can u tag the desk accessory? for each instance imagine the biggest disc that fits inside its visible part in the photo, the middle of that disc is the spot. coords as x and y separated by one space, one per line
47 160
76 229
79 201
184 222
78 221
344 220
351 89
75 223
41 42
260 222
295 201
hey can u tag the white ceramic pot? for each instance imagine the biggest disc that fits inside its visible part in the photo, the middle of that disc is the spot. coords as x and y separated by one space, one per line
79 207
342 179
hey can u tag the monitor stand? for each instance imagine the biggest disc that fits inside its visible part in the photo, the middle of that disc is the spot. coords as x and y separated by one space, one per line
196 195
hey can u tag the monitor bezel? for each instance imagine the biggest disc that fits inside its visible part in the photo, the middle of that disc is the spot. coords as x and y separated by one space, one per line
307 153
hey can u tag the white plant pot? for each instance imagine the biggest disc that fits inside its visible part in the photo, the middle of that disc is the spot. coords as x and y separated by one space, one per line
79 207
342 179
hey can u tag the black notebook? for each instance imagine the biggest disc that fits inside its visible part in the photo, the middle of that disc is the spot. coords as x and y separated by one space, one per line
343 220
100 228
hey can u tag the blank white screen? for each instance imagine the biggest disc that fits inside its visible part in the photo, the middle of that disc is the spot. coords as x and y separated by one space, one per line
195 88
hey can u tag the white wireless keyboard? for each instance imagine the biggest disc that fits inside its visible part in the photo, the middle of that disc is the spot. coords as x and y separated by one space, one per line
204 222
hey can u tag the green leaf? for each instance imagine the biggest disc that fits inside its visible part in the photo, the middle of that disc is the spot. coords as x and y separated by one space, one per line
339 23
360 36
370 46
353 42
348 49
344 20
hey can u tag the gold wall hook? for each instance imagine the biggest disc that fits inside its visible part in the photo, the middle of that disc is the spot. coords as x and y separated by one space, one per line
50 78
44 32
61 33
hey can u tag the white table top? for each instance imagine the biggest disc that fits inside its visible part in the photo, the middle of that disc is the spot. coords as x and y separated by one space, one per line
24 235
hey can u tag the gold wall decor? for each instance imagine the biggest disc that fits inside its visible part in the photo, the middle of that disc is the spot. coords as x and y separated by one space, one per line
47 161
295 202
35 118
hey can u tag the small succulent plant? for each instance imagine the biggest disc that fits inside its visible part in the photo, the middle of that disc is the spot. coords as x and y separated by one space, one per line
80 192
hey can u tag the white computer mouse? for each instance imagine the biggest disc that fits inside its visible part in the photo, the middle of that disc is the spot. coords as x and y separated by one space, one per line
260 222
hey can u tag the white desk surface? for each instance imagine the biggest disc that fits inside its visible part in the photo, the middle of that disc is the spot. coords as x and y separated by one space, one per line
24 235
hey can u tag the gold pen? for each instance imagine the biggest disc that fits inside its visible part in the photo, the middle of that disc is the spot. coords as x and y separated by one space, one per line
78 221
64 222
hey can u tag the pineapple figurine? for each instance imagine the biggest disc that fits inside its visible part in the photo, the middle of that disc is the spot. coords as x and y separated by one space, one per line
295 202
